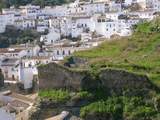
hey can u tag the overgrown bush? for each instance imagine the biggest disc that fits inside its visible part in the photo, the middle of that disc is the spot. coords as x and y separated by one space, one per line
54 95
12 36
118 108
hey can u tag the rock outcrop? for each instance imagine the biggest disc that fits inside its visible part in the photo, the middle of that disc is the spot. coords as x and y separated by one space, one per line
119 79
57 76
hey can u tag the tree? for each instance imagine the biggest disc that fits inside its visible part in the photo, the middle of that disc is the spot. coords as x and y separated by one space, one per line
12 36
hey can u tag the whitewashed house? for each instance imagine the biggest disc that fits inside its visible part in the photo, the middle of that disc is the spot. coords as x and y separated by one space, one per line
86 37
115 7
56 11
9 69
92 8
60 52
6 19
146 14
28 23
65 26
12 52
108 27
10 10
112 15
82 24
32 50
15 106
28 69
42 22
31 11
153 4
128 2
51 37
2 23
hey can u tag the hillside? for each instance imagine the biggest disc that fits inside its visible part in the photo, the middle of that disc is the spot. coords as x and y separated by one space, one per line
138 53
113 81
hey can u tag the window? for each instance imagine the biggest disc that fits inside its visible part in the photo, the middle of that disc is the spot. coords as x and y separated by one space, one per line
103 20
57 52
99 20
63 52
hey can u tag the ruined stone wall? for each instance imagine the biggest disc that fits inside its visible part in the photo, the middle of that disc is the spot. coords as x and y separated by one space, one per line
119 80
57 76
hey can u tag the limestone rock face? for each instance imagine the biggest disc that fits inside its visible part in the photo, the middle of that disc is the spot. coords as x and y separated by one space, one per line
1 79
118 79
57 76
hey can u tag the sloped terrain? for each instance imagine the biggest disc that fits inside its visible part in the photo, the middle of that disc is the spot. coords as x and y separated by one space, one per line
119 80
139 53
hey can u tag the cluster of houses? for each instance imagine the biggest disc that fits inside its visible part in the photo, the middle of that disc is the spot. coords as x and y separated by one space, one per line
105 17
14 106
87 21
19 63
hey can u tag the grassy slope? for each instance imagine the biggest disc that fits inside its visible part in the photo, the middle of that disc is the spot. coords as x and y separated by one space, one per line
138 53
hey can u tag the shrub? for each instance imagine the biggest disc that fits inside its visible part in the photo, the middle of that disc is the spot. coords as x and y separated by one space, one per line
55 95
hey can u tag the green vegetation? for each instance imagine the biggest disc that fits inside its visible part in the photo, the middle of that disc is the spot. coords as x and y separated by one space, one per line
118 108
84 95
138 53
13 36
110 106
54 95
42 3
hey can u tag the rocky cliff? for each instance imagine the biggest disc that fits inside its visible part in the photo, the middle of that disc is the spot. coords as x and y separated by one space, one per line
58 76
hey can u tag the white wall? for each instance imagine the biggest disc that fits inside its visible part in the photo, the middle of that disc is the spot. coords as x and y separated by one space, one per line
26 76
4 115
51 37
6 20
109 28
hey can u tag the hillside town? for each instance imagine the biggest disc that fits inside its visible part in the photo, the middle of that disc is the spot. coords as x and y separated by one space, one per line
72 27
